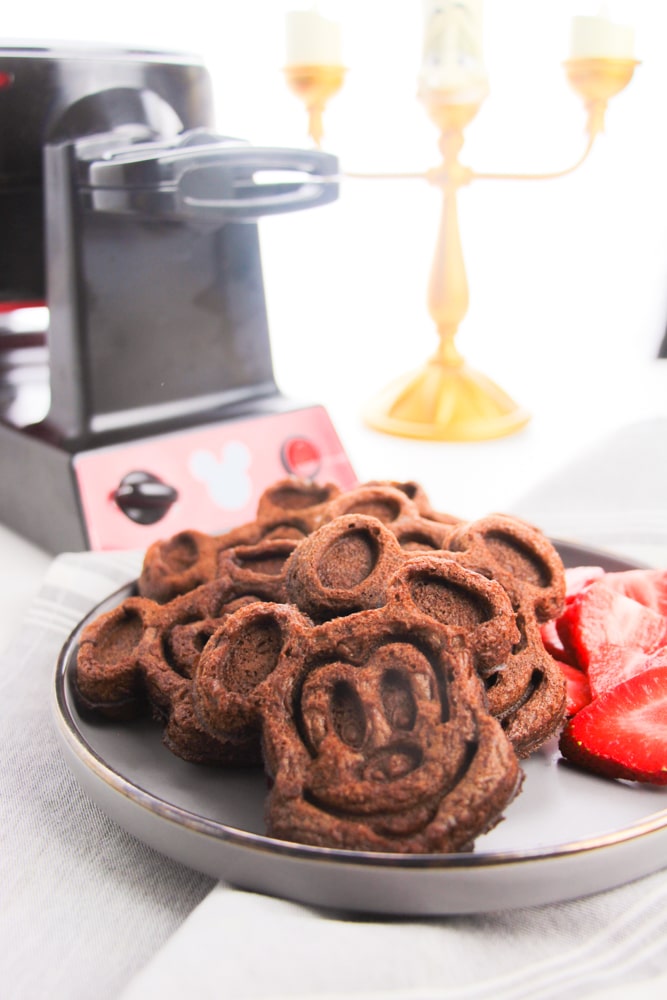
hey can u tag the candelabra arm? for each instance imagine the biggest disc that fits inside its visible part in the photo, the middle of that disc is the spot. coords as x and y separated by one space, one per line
403 175
596 81
546 176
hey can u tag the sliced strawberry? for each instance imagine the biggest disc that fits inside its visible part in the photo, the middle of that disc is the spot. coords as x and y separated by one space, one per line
601 626
578 577
565 629
623 733
647 586
552 641
612 665
557 640
577 688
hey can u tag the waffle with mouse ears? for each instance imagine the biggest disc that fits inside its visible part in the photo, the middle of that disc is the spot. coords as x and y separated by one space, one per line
140 657
291 510
345 566
527 690
288 510
374 726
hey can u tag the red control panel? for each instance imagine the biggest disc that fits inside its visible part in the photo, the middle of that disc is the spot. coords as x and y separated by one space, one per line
207 478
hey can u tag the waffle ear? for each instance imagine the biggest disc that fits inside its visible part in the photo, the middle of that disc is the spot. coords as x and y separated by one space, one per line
518 556
343 567
475 612
237 662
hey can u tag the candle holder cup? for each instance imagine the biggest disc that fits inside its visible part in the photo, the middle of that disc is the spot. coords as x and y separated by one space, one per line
315 86
596 81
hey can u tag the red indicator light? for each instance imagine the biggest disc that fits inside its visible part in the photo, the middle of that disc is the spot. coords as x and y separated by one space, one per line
301 457
6 80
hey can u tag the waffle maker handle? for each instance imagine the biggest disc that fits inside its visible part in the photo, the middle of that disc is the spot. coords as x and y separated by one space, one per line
249 198
216 181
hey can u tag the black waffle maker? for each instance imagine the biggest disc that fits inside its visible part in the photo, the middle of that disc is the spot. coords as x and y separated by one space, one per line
137 394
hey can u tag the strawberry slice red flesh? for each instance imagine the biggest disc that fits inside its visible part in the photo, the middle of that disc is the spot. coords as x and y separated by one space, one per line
609 635
578 577
646 586
553 643
577 688
623 732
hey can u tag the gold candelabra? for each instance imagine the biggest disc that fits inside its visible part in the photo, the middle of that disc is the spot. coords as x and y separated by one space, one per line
447 400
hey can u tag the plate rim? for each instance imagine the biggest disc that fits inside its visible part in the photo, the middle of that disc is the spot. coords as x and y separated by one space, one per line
220 832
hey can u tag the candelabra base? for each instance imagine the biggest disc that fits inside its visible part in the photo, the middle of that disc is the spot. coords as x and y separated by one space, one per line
444 402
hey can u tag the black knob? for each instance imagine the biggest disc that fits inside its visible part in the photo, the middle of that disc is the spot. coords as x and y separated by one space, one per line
143 497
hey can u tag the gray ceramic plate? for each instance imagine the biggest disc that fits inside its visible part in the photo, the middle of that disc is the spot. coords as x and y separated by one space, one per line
568 834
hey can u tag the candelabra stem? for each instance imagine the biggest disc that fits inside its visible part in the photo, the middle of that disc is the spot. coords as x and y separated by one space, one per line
448 296
446 400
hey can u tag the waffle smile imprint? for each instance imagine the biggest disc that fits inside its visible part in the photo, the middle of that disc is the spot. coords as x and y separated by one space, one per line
381 660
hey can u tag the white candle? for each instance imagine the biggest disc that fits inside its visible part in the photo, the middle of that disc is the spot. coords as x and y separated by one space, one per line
312 39
600 38
452 55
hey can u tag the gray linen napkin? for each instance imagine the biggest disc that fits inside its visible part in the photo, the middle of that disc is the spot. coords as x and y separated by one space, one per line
84 905
87 909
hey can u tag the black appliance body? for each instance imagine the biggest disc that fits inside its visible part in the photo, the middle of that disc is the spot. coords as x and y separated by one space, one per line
133 225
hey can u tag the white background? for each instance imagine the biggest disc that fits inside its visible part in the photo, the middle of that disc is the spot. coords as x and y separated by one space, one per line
584 257
568 278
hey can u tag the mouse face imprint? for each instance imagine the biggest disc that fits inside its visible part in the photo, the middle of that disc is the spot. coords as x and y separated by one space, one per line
376 737
374 731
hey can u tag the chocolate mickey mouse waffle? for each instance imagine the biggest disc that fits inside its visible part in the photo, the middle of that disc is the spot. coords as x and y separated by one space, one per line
527 692
290 509
401 508
374 725
376 738
140 657
124 670
346 565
